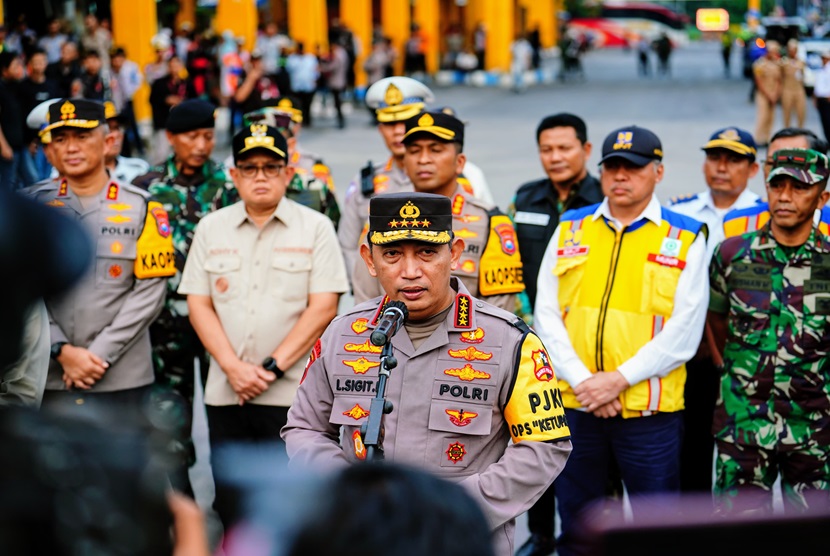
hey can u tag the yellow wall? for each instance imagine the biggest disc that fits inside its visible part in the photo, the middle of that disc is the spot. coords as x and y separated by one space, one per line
187 12
541 14
133 25
308 23
357 16
395 19
239 16
426 16
498 17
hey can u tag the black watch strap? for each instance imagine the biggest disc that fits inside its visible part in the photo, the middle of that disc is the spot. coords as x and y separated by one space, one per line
55 350
270 364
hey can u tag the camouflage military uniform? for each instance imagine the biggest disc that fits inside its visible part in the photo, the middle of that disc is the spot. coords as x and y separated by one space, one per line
773 410
187 199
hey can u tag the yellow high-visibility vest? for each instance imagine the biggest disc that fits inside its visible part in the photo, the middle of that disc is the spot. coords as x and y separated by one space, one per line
616 292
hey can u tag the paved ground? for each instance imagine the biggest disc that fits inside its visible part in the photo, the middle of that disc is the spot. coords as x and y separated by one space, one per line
683 110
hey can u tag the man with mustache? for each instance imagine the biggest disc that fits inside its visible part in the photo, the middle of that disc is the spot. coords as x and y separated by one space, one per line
769 301
621 303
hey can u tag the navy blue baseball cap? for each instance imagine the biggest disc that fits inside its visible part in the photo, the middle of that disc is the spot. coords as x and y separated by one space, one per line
635 144
733 139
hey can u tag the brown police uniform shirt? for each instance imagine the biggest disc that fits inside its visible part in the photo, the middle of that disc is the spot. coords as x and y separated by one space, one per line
259 280
110 310
388 179
480 380
490 267
768 73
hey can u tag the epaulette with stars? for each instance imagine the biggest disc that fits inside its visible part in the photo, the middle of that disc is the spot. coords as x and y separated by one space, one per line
680 199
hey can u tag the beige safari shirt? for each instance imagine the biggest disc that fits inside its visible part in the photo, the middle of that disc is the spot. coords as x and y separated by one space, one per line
259 281
479 381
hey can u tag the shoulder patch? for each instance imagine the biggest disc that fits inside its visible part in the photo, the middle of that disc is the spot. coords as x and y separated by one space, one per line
500 267
534 410
154 256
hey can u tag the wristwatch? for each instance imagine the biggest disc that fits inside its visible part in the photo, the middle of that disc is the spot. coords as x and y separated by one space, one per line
55 350
270 364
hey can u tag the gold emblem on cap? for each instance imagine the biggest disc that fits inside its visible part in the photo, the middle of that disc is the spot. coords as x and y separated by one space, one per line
260 138
68 111
426 121
410 211
393 95
624 140
730 135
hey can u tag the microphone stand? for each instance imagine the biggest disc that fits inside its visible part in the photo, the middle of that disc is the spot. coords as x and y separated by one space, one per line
372 430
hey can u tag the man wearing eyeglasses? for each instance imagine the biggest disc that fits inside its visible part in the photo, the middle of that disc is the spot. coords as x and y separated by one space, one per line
768 308
262 280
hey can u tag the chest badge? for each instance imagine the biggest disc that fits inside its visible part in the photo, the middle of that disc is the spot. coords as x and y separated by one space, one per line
467 373
365 347
671 247
461 418
361 366
359 326
456 452
470 354
473 337
356 412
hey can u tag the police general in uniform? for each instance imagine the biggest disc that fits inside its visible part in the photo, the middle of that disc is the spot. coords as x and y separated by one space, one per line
101 356
490 266
769 302
189 184
470 377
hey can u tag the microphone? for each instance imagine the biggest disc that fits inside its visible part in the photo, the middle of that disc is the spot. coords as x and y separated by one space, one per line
393 317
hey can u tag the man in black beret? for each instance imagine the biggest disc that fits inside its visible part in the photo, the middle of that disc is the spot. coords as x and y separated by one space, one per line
189 184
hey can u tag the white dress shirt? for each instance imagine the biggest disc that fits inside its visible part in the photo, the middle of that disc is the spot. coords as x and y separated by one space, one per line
675 344
821 89
701 207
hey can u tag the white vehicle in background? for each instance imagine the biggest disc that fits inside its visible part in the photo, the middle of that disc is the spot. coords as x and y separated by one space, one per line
810 50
